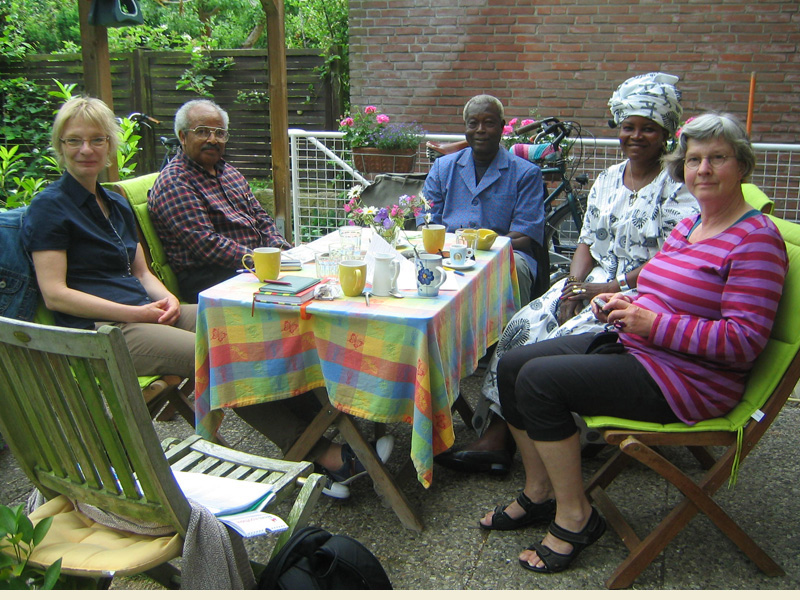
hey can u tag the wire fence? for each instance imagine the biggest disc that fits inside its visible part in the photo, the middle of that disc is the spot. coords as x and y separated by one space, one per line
322 172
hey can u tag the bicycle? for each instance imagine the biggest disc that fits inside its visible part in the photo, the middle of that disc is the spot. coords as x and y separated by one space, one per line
171 144
171 147
564 206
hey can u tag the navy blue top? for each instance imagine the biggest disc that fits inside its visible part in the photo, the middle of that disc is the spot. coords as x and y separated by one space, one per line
65 216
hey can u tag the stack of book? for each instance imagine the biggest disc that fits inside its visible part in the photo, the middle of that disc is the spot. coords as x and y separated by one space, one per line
290 264
293 289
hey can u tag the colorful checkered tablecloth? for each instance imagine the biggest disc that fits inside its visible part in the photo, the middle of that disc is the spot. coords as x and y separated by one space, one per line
398 359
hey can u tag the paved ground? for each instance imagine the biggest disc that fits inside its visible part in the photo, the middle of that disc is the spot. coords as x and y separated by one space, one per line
452 553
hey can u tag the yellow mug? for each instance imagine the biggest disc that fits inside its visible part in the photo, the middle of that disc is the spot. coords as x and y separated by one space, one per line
266 262
433 238
352 276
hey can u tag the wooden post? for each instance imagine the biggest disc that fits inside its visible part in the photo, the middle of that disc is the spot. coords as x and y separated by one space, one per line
278 111
96 67
750 102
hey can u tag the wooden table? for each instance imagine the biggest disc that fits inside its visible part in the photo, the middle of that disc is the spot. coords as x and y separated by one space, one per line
398 359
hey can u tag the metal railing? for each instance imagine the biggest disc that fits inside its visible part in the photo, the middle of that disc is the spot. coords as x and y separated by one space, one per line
322 173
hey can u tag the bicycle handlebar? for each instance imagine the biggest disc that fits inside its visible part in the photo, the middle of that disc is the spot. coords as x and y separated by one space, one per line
139 117
548 126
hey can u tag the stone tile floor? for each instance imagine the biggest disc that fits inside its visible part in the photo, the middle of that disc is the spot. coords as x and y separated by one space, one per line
453 553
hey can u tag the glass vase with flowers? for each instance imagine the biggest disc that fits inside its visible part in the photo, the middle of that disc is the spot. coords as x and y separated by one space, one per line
386 221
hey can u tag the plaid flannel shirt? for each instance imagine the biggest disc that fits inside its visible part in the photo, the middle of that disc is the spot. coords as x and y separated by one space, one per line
205 219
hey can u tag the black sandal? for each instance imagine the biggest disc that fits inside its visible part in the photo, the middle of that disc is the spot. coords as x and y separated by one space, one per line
555 561
541 512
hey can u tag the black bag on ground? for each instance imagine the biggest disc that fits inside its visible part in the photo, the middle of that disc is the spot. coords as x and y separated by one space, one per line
315 559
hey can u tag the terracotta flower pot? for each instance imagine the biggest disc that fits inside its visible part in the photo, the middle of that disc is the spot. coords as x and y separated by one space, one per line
376 160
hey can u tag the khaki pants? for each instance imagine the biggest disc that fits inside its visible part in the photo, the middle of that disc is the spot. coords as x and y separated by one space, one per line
162 349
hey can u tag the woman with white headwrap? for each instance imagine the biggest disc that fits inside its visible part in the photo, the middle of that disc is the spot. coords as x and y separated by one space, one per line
632 208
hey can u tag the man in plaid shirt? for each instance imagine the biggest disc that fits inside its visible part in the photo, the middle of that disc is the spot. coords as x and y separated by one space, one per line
203 209
207 218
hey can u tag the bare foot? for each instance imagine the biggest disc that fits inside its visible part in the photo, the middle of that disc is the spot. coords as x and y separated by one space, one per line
513 510
552 542
555 544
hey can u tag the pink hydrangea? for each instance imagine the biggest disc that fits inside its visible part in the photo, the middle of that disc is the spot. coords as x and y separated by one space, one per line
382 119
508 130
368 110
527 122
346 122
513 122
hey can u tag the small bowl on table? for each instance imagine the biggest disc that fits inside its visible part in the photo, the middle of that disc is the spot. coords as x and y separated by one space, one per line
486 238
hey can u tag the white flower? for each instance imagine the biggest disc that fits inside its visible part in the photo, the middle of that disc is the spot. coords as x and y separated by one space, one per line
370 210
355 192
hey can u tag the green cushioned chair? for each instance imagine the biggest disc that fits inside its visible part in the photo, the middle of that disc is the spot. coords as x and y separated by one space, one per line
757 199
773 378
135 191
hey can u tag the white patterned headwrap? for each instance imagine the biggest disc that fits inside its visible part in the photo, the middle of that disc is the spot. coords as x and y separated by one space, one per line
652 95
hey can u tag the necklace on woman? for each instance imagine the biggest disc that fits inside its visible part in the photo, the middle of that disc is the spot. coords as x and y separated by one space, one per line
637 186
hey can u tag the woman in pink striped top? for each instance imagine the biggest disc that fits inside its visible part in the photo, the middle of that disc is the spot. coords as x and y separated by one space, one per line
688 337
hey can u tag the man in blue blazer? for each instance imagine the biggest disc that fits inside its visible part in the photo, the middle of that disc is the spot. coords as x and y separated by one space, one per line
484 185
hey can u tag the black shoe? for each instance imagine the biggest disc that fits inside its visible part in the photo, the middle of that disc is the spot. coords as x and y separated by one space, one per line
497 462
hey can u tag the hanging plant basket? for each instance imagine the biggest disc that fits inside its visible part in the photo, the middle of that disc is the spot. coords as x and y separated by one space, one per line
377 160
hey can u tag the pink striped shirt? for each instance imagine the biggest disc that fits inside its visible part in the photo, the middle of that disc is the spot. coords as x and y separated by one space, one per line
716 301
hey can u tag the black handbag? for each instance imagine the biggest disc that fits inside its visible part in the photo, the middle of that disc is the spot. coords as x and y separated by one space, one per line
115 13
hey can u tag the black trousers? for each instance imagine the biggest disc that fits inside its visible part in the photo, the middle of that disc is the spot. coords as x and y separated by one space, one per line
541 384
191 283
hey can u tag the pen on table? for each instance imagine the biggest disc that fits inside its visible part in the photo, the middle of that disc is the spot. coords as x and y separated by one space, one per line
454 271
277 281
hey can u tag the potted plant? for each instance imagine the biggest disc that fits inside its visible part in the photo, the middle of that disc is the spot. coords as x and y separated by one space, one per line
378 144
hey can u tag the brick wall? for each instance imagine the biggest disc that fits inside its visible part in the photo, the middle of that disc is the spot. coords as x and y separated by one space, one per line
421 59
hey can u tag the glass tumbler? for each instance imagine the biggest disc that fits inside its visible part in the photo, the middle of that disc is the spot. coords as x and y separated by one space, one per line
327 266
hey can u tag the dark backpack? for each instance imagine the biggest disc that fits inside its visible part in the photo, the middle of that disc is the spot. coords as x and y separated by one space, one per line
315 559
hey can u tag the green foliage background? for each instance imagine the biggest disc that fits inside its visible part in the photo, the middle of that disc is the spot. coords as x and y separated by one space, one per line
52 26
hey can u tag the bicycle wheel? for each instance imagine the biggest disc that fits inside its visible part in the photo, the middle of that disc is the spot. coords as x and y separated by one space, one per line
561 235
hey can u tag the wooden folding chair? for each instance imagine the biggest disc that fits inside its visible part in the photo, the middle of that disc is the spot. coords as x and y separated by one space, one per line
772 380
73 415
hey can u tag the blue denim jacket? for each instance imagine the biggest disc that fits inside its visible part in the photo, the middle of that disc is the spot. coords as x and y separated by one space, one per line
19 293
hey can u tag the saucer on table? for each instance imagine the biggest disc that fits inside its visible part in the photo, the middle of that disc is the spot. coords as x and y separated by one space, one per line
465 267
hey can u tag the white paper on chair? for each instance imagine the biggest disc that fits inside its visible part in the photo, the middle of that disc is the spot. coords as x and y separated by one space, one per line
303 253
251 524
223 496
